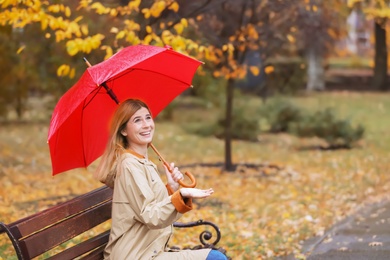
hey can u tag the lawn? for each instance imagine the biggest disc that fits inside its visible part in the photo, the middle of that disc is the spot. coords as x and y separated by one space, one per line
279 196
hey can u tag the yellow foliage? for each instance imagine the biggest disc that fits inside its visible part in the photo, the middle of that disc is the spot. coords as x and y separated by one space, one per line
146 12
72 73
63 70
120 35
44 24
132 38
83 4
229 48
84 45
132 26
252 32
269 69
179 28
351 3
109 51
157 8
99 8
71 48
216 74
21 48
290 38
174 7
113 12
166 36
84 29
148 39
59 36
68 12
184 22
54 8
134 4
254 70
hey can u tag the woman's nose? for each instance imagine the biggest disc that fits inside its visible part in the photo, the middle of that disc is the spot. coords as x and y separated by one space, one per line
146 123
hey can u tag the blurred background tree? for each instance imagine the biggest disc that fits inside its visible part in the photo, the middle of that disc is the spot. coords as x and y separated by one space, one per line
378 10
258 47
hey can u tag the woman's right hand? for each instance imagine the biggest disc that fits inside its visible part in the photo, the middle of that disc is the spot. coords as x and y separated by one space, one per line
195 193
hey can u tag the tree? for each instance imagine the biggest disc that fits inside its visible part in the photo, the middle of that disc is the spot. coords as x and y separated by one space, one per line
318 26
238 26
380 11
233 29
80 27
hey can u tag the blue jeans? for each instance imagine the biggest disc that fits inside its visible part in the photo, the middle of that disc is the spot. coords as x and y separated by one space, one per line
216 255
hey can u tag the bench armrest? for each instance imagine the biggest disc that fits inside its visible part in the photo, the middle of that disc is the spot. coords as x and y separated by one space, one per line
205 235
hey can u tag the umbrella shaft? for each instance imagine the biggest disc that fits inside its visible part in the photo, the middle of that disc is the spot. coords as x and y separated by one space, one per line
161 158
110 93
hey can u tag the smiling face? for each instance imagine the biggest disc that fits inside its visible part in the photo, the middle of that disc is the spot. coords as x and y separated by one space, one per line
139 130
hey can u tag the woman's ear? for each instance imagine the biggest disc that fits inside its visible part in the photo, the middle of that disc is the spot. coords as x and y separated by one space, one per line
123 132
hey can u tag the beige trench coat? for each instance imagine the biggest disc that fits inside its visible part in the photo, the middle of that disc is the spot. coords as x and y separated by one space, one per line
143 214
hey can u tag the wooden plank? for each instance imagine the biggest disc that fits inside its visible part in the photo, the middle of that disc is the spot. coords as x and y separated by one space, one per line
46 239
90 245
40 220
98 254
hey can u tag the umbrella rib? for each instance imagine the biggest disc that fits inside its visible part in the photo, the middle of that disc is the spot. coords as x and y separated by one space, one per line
96 90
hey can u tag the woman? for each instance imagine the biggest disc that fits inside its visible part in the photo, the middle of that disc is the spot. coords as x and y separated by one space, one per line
143 208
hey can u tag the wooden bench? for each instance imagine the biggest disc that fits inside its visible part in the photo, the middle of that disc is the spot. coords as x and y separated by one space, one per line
36 234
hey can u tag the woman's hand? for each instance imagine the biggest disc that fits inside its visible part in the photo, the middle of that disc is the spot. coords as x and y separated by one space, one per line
174 177
195 193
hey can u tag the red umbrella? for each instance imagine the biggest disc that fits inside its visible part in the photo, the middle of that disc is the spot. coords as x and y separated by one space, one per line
78 130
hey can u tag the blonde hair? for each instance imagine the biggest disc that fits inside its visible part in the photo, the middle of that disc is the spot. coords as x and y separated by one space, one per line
117 143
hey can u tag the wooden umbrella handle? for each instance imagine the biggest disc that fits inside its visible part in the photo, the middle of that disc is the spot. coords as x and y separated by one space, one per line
189 175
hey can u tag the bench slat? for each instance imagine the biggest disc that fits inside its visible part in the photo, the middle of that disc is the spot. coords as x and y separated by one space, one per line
90 245
97 254
34 235
40 220
46 239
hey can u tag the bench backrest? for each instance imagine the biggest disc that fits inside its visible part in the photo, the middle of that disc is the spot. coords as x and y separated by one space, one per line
40 232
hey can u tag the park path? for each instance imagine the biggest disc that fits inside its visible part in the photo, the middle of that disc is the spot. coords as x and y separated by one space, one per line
361 236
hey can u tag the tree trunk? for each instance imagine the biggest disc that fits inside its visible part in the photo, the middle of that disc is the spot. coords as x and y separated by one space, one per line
315 70
380 63
228 125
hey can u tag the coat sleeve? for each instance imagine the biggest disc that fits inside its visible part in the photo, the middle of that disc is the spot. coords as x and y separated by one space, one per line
182 205
149 209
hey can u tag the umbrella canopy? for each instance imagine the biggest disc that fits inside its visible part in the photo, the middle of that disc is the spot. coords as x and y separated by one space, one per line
79 126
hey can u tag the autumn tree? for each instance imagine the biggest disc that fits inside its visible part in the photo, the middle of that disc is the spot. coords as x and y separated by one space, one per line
237 25
319 24
235 29
80 27
380 11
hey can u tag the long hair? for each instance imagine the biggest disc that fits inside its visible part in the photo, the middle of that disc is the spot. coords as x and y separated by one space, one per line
117 143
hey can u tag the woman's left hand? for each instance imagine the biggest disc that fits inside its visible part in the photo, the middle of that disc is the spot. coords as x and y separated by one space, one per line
173 177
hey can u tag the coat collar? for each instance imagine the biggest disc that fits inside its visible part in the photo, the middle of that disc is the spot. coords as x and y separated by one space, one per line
139 156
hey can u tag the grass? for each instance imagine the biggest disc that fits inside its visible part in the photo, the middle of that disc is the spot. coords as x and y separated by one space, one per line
350 62
264 211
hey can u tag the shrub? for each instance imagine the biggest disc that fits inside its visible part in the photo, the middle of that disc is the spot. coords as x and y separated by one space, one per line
280 113
324 124
288 77
244 126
